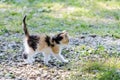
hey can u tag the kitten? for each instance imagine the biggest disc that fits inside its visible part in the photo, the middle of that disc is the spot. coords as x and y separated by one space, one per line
43 43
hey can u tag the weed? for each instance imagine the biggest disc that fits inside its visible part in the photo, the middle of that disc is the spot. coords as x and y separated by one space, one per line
111 74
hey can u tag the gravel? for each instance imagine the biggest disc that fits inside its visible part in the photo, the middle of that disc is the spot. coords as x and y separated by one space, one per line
13 67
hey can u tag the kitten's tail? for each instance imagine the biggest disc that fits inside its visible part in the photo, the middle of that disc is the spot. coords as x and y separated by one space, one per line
24 27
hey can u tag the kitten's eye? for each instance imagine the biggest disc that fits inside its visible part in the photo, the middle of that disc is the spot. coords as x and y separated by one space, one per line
66 36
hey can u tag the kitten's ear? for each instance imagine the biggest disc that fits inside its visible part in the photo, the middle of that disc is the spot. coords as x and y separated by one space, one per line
65 32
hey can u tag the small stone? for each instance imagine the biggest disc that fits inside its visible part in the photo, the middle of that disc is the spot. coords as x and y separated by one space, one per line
33 78
68 69
82 37
44 75
38 78
1 74
95 71
9 75
93 36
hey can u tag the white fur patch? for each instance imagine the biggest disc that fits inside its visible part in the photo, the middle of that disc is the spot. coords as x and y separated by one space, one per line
28 50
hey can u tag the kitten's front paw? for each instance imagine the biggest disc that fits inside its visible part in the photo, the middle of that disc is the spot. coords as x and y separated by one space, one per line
29 61
46 63
66 61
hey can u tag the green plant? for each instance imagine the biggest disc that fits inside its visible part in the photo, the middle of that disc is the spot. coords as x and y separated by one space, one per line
111 74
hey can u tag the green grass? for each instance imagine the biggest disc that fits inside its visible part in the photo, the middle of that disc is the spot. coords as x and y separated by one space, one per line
96 70
94 17
100 17
110 75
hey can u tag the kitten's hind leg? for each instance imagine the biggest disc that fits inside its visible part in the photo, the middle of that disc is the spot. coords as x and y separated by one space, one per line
46 58
61 58
28 58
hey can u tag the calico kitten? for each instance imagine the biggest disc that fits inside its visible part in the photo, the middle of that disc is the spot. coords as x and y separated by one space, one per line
43 43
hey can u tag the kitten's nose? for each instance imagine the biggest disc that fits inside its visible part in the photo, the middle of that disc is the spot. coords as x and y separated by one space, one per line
68 40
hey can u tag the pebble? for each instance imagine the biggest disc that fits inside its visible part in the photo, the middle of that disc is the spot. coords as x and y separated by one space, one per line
13 63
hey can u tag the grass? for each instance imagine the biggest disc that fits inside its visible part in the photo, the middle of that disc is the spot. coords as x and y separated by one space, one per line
96 70
110 75
100 17
95 17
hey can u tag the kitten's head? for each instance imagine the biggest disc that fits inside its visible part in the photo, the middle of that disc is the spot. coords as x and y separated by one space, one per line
63 38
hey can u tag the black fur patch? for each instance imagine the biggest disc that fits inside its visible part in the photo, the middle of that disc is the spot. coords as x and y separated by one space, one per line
57 38
47 40
25 56
33 40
